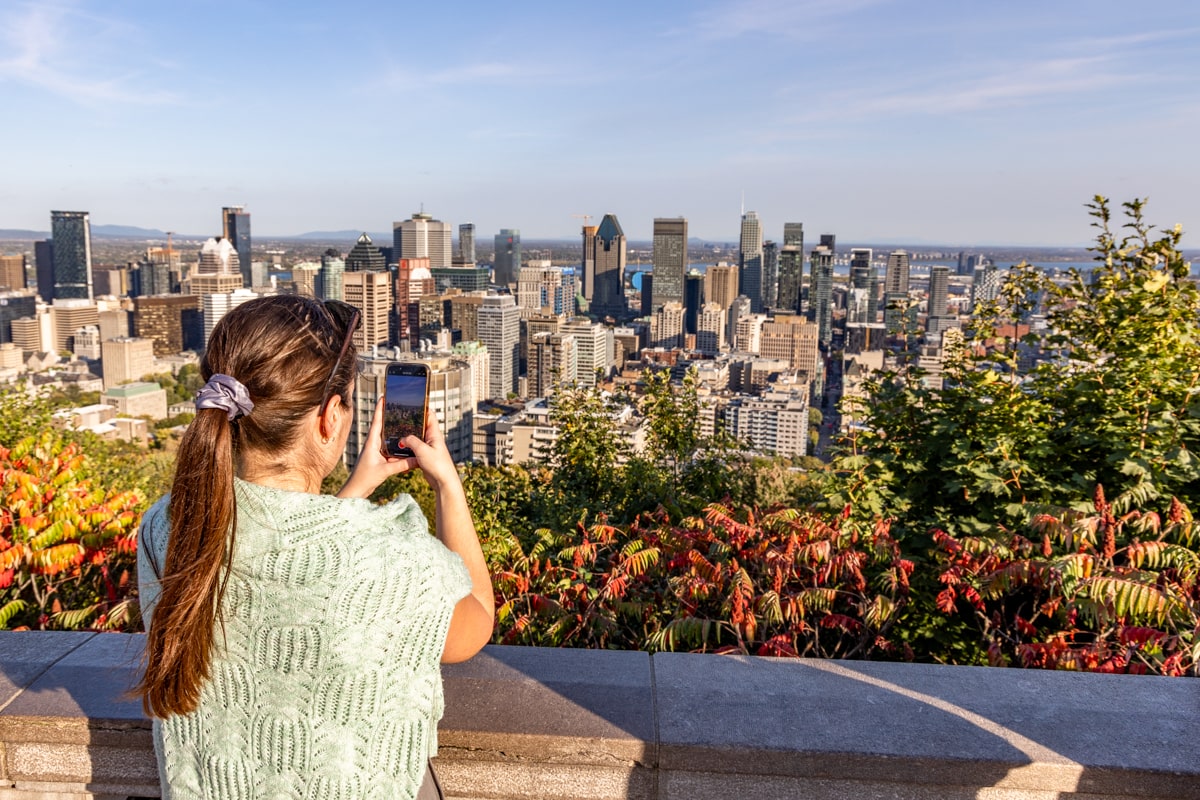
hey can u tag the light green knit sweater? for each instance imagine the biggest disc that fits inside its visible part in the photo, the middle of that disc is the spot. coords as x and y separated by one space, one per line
326 682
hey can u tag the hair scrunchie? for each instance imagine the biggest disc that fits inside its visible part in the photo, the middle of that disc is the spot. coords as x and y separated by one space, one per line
227 394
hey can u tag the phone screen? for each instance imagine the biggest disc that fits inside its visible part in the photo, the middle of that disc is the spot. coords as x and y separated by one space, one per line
404 408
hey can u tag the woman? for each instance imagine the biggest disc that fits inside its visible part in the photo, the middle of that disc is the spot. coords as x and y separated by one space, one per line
294 637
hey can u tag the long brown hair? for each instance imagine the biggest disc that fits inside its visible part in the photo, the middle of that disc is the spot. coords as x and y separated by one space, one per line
285 351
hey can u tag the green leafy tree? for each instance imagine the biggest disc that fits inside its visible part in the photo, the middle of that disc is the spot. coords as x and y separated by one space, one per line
1113 401
585 457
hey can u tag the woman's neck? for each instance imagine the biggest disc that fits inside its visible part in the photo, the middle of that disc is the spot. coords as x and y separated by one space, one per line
279 477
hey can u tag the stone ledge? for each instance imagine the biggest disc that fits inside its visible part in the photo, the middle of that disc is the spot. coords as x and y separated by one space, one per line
571 724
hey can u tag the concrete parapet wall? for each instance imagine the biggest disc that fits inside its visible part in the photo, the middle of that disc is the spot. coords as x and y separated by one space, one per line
566 724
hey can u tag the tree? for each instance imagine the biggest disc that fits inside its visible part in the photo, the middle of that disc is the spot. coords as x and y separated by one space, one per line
1114 399
67 547
585 454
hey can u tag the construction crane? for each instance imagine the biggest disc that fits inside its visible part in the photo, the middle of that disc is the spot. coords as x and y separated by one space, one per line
170 250
585 217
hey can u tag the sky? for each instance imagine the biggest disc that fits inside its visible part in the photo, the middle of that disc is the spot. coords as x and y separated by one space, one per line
916 121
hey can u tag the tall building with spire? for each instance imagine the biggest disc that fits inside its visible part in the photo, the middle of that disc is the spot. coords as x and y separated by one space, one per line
670 261
750 260
606 251
235 228
71 234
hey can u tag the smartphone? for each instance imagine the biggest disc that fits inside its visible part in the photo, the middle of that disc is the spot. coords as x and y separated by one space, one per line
405 405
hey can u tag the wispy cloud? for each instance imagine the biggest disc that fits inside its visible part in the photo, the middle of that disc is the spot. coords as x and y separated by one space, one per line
47 46
1010 86
786 18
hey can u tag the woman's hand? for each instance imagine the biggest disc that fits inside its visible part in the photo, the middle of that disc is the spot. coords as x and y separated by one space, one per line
432 455
373 467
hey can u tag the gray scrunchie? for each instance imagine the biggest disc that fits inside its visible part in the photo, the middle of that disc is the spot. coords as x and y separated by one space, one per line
227 394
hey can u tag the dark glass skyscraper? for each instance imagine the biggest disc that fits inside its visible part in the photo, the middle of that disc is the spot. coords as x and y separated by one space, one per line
791 268
43 259
71 232
605 251
236 228
670 260
770 275
750 260
506 264
821 306
693 292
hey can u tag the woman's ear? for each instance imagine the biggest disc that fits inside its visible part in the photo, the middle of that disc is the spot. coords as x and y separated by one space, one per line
327 423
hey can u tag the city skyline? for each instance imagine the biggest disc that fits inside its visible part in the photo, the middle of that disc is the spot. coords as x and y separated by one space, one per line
880 121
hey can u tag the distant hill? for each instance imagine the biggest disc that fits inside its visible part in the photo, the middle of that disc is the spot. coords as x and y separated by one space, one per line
338 236
19 233
127 232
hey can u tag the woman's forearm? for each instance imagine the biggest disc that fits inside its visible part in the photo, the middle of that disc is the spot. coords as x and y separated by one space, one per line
456 530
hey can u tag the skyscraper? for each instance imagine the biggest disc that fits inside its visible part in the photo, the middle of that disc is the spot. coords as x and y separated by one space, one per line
500 330
937 320
606 251
670 260
793 234
220 257
365 256
370 292
895 291
588 266
750 260
770 275
506 263
552 362
71 232
12 273
236 229
693 298
896 277
466 244
422 236
862 276
43 261
821 306
985 285
710 329
329 281
721 284
791 278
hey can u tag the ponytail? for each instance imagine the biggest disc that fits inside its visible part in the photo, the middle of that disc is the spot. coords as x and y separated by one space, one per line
203 518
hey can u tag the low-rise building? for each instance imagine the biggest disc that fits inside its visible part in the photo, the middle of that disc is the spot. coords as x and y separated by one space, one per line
138 400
